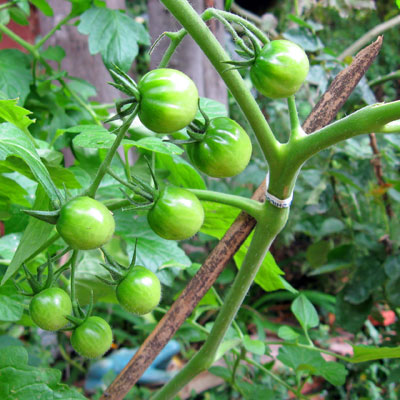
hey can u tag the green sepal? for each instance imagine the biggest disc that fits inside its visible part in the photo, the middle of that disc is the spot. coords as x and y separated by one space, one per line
108 282
125 83
33 282
50 217
21 291
74 321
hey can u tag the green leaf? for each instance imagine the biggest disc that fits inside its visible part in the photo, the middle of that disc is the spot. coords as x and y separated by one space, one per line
212 108
218 219
43 6
89 265
18 16
180 172
367 353
156 145
152 251
287 333
13 142
305 312
317 253
11 112
30 382
269 275
109 31
226 346
54 53
311 361
13 191
398 3
331 226
254 346
11 303
222 372
351 317
9 244
253 391
15 75
34 236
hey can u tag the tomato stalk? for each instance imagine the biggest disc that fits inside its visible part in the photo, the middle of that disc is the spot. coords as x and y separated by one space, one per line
272 222
75 306
91 192
251 207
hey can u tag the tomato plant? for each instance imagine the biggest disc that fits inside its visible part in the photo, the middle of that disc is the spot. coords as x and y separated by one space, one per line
85 223
224 151
168 100
176 215
131 170
279 69
92 338
49 307
140 291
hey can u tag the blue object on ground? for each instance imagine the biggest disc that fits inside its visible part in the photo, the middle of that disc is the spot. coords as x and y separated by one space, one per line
116 362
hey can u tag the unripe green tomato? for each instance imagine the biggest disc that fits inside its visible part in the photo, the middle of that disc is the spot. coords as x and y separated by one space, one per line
176 215
224 151
279 69
168 100
92 338
49 307
140 291
85 223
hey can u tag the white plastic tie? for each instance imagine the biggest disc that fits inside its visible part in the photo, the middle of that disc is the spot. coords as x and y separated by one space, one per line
279 203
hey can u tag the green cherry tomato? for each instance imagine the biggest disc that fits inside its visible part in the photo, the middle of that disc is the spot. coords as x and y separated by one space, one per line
85 223
176 215
140 291
49 307
168 100
92 338
279 69
225 150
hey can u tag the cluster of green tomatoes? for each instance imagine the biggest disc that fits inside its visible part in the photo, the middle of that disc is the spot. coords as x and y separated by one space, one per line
167 101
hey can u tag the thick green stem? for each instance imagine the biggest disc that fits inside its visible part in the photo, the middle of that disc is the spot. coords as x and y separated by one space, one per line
251 207
274 219
199 31
369 119
111 152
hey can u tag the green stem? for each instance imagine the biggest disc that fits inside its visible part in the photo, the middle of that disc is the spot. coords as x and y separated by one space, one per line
369 119
69 360
276 378
199 31
296 131
239 357
212 12
251 207
73 292
111 152
234 323
266 230
42 41
382 79
19 40
309 347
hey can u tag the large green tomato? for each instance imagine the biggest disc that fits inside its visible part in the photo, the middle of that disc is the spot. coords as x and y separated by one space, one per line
140 291
85 223
49 307
279 69
168 100
224 151
177 214
92 338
